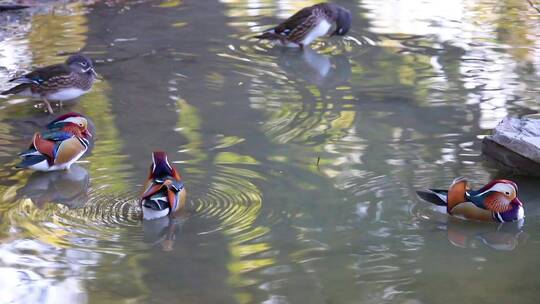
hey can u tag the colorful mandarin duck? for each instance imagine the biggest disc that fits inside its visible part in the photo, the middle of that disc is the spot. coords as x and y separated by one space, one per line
309 24
495 202
63 142
164 193
57 82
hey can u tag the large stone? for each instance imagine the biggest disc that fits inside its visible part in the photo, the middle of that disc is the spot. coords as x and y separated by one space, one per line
515 145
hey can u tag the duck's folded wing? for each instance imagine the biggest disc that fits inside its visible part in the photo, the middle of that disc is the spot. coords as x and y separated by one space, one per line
42 75
300 31
289 25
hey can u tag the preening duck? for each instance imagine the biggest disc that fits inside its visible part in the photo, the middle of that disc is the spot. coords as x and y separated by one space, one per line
310 23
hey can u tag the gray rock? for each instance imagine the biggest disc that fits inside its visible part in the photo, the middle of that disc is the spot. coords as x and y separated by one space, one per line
515 145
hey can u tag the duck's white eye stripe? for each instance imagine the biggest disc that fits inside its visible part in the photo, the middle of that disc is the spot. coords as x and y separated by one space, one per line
501 188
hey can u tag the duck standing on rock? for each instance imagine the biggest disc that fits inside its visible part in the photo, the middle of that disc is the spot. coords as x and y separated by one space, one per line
64 141
164 192
57 82
495 202
309 24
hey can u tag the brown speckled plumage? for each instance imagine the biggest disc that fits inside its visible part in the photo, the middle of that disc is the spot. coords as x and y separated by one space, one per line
66 81
59 82
296 27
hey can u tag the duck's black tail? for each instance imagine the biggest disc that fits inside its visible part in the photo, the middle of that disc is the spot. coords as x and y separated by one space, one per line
16 89
30 160
268 36
435 196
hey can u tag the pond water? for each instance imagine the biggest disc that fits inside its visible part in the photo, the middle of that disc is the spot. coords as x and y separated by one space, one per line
301 167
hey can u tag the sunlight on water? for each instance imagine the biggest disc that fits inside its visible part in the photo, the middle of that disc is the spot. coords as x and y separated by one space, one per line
300 166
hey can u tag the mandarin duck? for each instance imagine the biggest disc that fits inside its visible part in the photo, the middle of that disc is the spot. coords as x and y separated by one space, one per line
63 142
57 82
495 202
309 24
164 192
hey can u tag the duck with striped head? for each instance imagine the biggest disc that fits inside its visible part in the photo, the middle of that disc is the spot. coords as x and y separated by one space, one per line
63 142
164 194
495 202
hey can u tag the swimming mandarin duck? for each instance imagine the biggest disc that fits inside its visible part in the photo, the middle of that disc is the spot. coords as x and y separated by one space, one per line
164 192
495 202
309 24
63 142
57 82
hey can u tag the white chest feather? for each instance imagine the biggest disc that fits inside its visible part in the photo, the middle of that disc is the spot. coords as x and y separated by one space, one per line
66 94
320 30
521 213
150 214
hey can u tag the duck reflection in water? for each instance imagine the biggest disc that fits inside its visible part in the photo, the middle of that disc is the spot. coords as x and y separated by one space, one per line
467 234
190 248
314 67
66 187
163 231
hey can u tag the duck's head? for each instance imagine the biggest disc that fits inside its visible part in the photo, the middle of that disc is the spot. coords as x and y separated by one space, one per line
81 64
343 21
72 119
499 195
165 192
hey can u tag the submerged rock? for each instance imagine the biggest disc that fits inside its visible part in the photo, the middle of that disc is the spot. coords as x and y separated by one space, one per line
515 145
